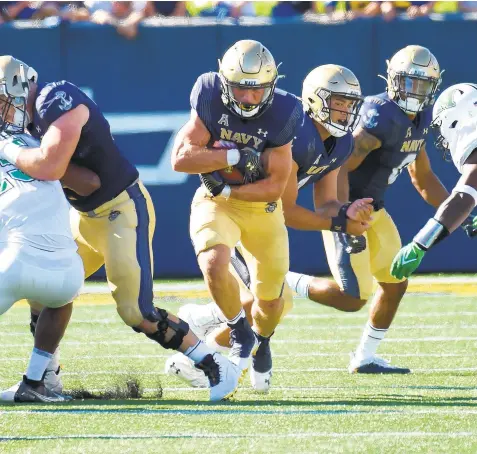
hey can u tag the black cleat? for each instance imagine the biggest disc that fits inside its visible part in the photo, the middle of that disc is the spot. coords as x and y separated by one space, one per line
36 391
243 342
261 373
375 365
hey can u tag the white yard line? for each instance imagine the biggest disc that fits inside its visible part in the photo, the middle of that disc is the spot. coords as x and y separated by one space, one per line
275 355
275 341
249 435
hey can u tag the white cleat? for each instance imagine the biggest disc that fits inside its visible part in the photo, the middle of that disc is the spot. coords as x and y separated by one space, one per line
182 367
261 382
201 318
9 394
53 381
224 376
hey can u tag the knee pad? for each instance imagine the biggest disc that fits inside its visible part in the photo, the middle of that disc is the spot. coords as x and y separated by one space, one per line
163 323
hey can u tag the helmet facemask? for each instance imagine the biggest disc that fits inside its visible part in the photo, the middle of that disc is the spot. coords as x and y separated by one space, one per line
412 92
13 109
243 110
332 102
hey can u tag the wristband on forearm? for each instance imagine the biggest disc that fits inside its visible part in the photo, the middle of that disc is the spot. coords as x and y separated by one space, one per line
431 234
466 189
338 222
233 156
10 152
226 192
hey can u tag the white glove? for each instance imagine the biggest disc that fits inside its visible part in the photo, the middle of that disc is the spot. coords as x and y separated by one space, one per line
11 146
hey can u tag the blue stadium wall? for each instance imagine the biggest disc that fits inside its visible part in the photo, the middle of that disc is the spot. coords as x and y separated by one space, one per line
143 86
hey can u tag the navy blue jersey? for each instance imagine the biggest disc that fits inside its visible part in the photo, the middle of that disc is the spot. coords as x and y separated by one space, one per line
401 140
313 159
276 127
96 148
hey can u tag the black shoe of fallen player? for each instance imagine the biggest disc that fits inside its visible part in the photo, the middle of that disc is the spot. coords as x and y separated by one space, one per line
33 391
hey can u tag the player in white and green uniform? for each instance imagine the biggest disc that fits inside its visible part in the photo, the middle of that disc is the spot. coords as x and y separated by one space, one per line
455 118
38 259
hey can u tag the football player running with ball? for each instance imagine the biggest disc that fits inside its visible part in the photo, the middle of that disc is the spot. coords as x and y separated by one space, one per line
242 106
331 98
455 120
113 223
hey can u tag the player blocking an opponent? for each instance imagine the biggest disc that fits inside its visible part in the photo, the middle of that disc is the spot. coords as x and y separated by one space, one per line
113 225
455 121
241 105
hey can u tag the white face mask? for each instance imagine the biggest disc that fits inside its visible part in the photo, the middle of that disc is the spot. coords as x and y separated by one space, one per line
21 118
410 105
333 130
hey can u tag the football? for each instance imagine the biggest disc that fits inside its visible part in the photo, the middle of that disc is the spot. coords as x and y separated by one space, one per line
233 175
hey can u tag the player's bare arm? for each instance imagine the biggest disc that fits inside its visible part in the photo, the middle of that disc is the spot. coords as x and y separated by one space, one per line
425 181
463 199
298 217
51 159
271 188
450 215
80 180
190 154
364 143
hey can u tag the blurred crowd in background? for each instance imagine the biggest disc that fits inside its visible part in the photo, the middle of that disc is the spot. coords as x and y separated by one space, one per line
126 16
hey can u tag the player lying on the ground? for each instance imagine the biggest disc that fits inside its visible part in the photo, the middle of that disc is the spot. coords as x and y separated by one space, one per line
391 135
331 100
237 200
455 120
113 225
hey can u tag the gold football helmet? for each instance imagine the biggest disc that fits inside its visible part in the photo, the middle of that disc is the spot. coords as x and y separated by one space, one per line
15 80
413 78
248 65
320 86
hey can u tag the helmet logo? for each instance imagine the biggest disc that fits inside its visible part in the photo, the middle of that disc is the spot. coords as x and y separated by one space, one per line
249 82
448 102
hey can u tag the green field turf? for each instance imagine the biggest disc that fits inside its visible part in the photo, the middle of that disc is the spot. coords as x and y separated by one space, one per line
315 405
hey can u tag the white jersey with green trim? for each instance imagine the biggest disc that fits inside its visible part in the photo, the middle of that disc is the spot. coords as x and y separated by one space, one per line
464 143
32 211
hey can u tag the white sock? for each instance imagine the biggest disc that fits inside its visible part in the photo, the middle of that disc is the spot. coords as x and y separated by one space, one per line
54 361
299 283
217 313
370 341
39 359
234 320
198 352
